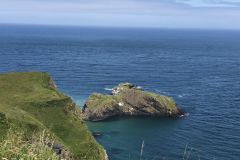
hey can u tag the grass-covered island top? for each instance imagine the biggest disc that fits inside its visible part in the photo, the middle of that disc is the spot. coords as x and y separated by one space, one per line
31 103
127 99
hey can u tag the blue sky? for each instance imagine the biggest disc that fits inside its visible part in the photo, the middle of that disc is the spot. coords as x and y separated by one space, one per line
219 14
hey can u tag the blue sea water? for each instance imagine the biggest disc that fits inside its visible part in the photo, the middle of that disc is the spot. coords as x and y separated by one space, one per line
200 69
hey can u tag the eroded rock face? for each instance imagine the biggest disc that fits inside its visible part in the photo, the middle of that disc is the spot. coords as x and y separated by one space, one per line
127 99
103 110
52 84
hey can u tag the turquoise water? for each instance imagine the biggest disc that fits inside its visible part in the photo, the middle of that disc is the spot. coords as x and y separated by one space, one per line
198 68
124 137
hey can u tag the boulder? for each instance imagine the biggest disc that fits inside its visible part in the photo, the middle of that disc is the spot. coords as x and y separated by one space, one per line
96 133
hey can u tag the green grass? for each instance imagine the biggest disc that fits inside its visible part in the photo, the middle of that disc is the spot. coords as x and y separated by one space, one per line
164 100
102 100
28 100
26 86
17 146
101 97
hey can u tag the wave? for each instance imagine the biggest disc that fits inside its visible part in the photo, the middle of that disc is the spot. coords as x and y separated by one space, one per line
180 96
108 89
184 95
184 115
162 92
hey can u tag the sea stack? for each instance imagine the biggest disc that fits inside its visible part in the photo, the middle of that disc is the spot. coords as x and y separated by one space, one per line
127 99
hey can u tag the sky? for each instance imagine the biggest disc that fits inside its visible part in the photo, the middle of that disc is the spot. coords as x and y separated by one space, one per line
213 14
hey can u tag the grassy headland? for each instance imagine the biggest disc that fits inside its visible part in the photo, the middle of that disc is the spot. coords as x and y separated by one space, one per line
31 101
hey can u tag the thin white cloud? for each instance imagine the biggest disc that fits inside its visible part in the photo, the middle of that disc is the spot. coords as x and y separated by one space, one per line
117 6
211 3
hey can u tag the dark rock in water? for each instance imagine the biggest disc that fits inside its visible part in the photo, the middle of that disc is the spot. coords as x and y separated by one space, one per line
127 99
96 133
115 151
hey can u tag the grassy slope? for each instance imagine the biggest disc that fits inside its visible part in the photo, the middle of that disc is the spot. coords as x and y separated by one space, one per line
164 100
104 99
28 100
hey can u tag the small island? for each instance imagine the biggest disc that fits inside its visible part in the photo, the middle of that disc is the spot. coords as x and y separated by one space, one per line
127 99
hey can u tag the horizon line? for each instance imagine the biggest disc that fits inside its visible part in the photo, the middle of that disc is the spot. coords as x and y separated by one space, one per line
119 27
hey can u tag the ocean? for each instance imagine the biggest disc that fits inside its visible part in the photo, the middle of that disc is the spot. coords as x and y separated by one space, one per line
199 69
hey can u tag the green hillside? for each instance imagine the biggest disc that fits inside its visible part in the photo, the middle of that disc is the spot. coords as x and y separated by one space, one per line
31 101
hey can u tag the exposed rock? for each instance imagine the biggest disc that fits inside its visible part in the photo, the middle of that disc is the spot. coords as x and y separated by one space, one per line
127 99
51 83
96 133
60 150
123 87
106 156
56 146
97 95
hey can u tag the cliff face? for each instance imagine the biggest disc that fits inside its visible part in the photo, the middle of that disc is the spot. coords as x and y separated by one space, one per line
127 99
30 99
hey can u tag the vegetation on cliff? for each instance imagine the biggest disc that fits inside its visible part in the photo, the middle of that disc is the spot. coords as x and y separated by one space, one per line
127 99
30 100
17 146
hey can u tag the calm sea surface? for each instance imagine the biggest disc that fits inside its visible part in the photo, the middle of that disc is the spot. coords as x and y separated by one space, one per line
200 69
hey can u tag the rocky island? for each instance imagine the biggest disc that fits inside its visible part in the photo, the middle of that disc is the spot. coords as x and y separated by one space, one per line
127 99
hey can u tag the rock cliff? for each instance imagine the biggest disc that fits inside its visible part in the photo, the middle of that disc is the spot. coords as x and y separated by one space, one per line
127 99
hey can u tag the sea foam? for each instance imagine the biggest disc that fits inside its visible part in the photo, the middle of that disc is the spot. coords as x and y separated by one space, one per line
108 89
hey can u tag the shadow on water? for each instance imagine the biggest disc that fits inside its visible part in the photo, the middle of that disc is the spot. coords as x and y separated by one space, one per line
142 117
115 132
115 151
98 136
118 125
106 134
